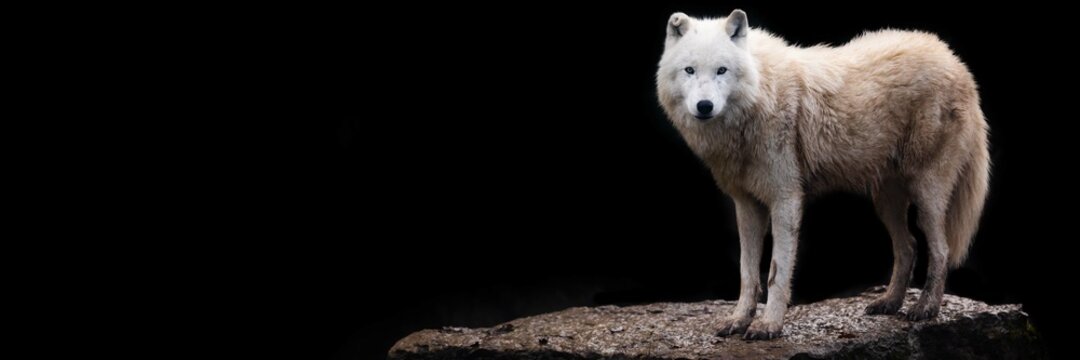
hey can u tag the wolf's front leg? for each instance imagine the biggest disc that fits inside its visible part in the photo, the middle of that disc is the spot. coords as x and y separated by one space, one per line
786 213
752 219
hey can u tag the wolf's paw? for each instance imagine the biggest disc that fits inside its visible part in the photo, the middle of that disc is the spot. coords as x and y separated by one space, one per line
885 305
923 310
734 325
764 330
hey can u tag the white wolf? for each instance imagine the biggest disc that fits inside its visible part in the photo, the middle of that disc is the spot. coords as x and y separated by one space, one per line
892 114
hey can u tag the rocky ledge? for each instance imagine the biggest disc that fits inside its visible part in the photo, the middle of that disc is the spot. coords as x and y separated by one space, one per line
834 328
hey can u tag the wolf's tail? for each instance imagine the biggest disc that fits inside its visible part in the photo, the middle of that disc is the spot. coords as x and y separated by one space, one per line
969 196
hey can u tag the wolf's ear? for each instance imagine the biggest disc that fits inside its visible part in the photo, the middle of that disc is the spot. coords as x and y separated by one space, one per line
737 27
677 26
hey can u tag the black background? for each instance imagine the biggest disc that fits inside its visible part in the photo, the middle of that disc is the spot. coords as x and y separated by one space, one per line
465 165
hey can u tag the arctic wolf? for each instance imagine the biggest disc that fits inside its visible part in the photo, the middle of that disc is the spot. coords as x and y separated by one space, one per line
891 114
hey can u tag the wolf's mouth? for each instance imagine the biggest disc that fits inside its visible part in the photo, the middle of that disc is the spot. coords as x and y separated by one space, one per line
703 117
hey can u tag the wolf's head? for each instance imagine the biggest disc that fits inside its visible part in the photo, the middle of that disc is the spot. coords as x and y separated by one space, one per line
706 65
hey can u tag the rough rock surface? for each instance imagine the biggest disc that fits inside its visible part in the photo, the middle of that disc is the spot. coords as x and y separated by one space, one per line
834 328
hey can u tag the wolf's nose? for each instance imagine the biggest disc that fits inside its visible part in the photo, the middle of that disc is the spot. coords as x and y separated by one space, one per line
704 107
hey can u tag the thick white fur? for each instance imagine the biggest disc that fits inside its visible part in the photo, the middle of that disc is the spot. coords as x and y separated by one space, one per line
891 114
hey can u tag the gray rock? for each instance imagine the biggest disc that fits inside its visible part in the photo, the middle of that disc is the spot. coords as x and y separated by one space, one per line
832 329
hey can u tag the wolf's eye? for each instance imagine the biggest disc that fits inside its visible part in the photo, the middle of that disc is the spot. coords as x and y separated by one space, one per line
689 70
721 70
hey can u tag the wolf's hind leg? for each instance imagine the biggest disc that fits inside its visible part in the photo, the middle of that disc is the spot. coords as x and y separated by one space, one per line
892 202
931 196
